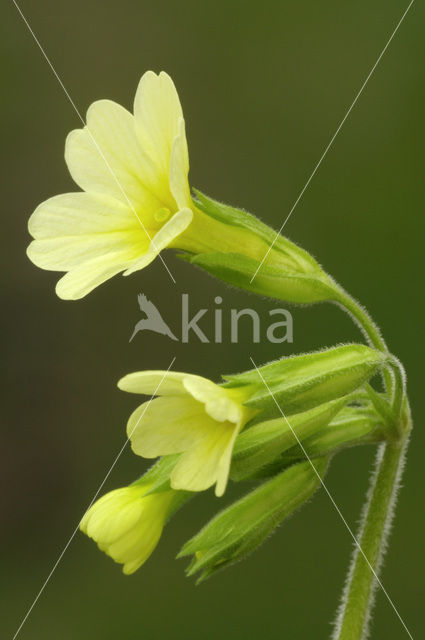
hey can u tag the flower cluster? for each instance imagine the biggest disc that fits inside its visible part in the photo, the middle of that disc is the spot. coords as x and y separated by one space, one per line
195 426
135 201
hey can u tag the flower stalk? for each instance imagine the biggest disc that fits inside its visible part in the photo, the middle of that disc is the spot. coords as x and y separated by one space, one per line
367 326
363 577
358 597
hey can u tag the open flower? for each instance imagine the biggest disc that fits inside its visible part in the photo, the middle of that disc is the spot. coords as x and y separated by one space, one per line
136 201
192 416
127 524
133 171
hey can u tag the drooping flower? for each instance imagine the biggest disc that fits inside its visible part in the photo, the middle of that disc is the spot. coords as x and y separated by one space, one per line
192 416
201 420
127 524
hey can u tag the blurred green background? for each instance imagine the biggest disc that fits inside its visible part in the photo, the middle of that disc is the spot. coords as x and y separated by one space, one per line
263 87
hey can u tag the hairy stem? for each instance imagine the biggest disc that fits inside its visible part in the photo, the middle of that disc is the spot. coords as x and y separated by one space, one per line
367 326
358 596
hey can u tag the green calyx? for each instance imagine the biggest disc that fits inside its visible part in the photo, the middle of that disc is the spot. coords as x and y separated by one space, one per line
238 530
259 260
263 443
299 383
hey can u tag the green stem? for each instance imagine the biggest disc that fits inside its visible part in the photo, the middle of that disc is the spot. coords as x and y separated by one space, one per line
367 326
362 318
358 596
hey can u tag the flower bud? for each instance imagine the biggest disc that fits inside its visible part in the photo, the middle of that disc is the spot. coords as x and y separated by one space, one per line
262 443
242 527
127 523
352 426
299 383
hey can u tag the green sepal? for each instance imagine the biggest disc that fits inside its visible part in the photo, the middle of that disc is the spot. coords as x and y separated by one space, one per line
299 383
241 218
243 526
264 442
159 474
383 407
353 426
271 281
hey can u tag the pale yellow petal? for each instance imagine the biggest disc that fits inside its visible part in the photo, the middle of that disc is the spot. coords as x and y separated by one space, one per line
68 252
82 279
216 399
161 383
157 113
168 425
179 169
105 157
127 525
208 462
80 213
171 230
223 467
75 227
111 515
134 547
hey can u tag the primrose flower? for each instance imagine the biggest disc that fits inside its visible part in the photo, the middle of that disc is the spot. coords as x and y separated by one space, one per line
127 524
194 417
136 201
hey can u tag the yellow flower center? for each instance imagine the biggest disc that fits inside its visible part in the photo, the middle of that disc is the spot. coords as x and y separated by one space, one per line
162 215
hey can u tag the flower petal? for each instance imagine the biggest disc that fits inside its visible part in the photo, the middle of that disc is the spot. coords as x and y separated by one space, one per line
161 383
105 157
157 113
126 524
113 514
208 462
135 547
171 229
216 399
82 279
68 252
75 227
79 213
179 169
168 425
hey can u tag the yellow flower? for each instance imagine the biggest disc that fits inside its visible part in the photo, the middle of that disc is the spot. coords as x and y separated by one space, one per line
136 201
127 524
194 417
